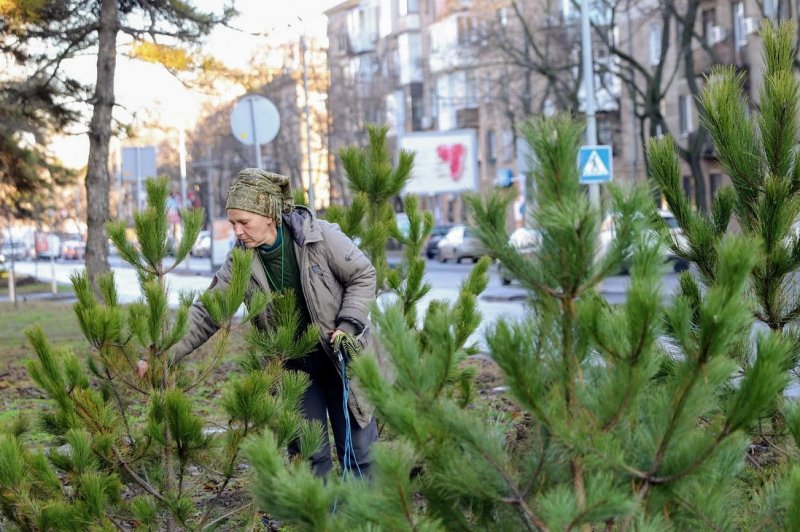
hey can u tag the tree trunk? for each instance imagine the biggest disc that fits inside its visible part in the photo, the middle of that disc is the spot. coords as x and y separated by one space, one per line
98 177
700 196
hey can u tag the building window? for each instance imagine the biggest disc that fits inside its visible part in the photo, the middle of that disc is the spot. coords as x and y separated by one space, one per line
739 32
655 44
771 9
408 7
508 145
467 29
490 147
709 17
685 113
502 16
605 133
471 89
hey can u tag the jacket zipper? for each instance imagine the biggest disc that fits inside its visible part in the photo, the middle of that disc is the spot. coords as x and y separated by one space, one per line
305 279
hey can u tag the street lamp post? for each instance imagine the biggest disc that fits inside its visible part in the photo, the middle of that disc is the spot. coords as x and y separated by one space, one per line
307 120
588 83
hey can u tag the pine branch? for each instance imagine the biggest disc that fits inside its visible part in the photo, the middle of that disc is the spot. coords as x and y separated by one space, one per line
221 519
698 461
539 467
120 405
227 478
530 518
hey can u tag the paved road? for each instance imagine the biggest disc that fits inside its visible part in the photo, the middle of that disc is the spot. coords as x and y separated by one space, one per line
445 279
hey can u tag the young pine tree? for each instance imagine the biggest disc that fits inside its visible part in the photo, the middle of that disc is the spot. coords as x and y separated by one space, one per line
135 453
375 181
758 150
628 416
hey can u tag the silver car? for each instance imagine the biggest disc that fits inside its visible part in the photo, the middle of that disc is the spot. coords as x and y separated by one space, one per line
461 242
526 241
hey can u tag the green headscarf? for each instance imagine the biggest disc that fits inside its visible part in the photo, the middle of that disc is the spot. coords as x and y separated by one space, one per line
261 192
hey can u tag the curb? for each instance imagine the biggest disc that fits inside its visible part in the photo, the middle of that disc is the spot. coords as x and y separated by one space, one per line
496 298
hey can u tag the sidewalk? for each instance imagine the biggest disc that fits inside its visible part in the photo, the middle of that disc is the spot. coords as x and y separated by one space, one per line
614 289
66 297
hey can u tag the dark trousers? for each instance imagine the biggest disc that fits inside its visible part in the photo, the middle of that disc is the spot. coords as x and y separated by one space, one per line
324 399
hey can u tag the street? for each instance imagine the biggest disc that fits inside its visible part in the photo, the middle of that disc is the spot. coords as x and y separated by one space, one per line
445 280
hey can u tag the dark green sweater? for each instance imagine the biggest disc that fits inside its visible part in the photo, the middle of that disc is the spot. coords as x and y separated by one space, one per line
286 275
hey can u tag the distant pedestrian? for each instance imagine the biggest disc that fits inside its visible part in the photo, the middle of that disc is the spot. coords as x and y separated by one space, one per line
334 284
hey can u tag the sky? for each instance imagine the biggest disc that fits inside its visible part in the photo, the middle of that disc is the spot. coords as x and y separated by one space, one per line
148 88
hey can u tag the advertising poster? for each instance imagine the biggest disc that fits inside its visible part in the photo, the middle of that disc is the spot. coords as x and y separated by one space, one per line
445 161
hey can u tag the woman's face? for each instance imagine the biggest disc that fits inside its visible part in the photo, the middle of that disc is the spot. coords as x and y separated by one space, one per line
252 229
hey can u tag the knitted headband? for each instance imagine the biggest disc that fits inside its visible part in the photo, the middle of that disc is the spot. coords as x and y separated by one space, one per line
261 192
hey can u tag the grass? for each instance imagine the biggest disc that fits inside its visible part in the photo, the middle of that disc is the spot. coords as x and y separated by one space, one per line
21 396
27 285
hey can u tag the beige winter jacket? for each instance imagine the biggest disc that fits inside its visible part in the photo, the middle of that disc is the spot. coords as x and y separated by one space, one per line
338 283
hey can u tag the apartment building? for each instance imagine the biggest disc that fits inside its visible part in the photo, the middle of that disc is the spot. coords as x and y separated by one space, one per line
450 73
725 33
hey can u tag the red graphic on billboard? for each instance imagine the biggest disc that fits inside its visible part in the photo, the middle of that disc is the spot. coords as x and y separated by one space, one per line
453 155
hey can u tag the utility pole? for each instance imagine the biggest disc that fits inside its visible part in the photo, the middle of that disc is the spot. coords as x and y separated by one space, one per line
307 121
588 84
182 163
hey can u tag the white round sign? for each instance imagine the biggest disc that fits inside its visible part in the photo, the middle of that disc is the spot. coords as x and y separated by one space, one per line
255 120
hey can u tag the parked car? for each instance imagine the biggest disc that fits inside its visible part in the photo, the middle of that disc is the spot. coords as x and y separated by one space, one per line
525 241
73 249
608 233
202 246
47 245
13 250
437 233
461 242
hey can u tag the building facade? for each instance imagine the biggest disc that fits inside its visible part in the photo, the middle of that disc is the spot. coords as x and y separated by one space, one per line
436 70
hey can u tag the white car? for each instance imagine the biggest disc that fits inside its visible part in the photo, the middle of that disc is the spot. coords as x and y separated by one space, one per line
461 242
608 233
524 240
202 246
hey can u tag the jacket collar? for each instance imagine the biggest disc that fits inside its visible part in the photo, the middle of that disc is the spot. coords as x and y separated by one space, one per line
303 226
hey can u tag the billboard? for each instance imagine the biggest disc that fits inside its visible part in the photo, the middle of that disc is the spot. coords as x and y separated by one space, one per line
445 161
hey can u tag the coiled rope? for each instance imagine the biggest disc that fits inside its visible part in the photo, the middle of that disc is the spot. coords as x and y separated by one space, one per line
347 348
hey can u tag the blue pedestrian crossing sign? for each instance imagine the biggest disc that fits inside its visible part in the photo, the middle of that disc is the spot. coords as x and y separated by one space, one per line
595 164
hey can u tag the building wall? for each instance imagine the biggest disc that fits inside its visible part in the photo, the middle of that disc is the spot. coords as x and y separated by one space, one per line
468 80
678 99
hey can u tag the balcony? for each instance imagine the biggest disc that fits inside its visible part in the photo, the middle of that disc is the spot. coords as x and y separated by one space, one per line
408 22
362 42
467 118
451 59
723 54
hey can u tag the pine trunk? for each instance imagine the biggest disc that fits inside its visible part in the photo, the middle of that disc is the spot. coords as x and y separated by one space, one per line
97 175
700 194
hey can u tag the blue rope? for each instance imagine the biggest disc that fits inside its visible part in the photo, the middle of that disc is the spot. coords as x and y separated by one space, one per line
349 450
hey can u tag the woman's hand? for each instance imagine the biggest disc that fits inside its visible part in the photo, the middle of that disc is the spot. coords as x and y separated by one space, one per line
335 334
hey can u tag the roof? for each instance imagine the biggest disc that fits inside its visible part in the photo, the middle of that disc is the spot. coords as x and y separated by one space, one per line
343 6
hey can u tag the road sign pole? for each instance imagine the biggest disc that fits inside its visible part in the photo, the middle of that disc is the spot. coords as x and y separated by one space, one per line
138 181
588 83
311 199
256 144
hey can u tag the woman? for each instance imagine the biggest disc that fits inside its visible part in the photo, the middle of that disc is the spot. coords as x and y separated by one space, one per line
334 283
